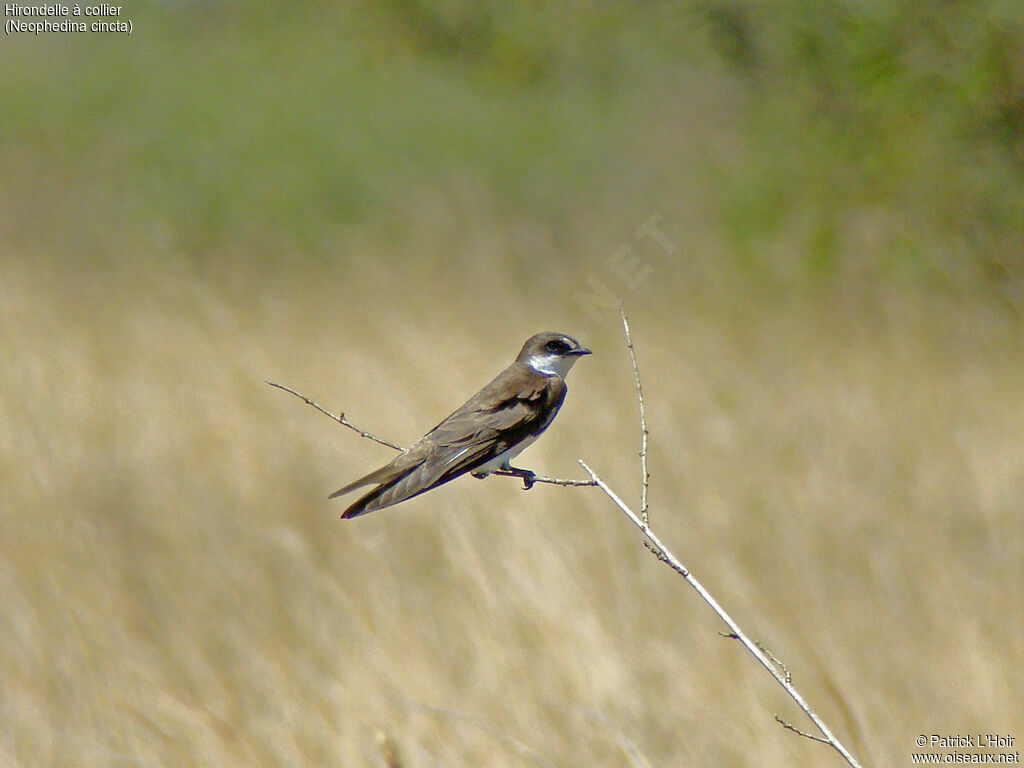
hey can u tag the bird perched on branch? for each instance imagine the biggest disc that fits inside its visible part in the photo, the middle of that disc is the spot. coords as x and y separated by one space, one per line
493 427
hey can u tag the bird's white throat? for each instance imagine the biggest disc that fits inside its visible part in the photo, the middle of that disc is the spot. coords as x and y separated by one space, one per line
552 365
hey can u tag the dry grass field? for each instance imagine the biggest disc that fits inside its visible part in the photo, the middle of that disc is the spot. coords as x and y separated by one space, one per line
814 217
844 474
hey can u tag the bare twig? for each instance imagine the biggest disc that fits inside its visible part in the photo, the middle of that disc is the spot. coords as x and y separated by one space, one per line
548 480
340 418
673 562
794 729
645 476
775 659
777 662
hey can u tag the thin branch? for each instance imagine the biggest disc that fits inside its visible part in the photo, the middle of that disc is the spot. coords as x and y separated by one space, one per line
673 562
777 662
548 480
775 659
645 476
805 734
340 418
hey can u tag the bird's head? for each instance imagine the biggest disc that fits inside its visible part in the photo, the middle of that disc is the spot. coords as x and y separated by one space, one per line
551 354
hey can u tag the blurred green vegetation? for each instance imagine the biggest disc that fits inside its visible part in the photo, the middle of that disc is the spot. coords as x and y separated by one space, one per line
781 127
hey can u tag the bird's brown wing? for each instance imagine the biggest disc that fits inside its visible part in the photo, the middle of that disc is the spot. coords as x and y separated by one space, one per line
495 420
487 425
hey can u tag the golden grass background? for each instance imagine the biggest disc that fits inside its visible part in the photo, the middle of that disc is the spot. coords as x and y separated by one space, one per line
375 204
178 591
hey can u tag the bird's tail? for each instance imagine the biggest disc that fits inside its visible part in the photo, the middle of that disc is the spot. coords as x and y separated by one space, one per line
394 484
368 502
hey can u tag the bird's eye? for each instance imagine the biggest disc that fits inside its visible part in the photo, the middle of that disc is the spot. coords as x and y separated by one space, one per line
557 346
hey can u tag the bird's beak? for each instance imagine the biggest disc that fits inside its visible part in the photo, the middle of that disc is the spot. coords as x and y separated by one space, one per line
582 351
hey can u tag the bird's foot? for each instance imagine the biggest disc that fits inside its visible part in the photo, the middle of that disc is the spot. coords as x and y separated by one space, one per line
528 477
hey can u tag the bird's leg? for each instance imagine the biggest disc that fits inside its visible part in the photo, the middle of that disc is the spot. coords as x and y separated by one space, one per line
527 476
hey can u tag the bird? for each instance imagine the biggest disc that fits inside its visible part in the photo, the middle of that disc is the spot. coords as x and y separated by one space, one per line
485 434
